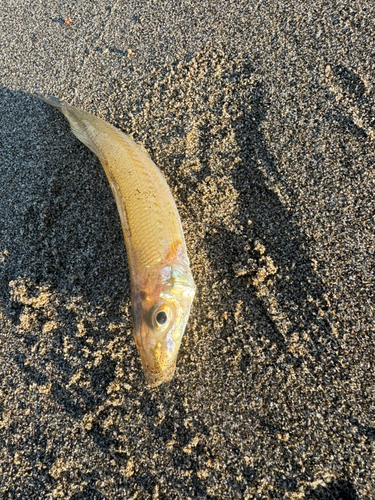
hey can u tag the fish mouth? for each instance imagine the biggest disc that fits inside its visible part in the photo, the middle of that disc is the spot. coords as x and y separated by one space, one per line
157 369
155 378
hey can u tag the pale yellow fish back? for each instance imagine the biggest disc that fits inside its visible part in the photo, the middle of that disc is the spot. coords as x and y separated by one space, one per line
149 217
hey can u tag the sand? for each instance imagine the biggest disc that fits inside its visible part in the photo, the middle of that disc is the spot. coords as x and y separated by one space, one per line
261 116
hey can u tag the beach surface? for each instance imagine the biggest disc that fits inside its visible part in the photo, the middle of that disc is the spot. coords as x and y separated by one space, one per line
261 116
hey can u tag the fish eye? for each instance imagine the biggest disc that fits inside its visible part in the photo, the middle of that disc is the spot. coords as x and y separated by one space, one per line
161 318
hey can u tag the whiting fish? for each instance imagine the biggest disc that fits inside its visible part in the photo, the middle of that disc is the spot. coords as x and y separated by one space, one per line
161 282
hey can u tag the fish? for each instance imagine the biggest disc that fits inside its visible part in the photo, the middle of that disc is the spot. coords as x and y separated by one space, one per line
162 285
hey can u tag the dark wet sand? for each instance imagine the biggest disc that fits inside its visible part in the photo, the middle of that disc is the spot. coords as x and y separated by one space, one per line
262 118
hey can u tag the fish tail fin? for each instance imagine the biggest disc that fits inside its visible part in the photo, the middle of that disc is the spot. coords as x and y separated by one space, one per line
53 101
79 121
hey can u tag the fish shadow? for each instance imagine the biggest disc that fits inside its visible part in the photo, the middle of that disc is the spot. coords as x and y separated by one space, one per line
59 220
59 230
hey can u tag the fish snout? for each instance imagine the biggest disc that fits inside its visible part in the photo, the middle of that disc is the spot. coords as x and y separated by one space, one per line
157 377
158 356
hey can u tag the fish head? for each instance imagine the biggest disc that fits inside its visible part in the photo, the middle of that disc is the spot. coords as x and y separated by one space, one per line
160 314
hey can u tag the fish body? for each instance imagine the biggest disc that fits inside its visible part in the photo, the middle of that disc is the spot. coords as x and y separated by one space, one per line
162 285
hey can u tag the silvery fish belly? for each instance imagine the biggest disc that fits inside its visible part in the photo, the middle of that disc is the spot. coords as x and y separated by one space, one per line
161 282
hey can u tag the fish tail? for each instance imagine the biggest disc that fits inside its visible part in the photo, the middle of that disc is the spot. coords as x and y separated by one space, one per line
53 101
77 119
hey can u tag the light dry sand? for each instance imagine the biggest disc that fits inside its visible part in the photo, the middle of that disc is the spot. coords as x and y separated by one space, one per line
261 116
